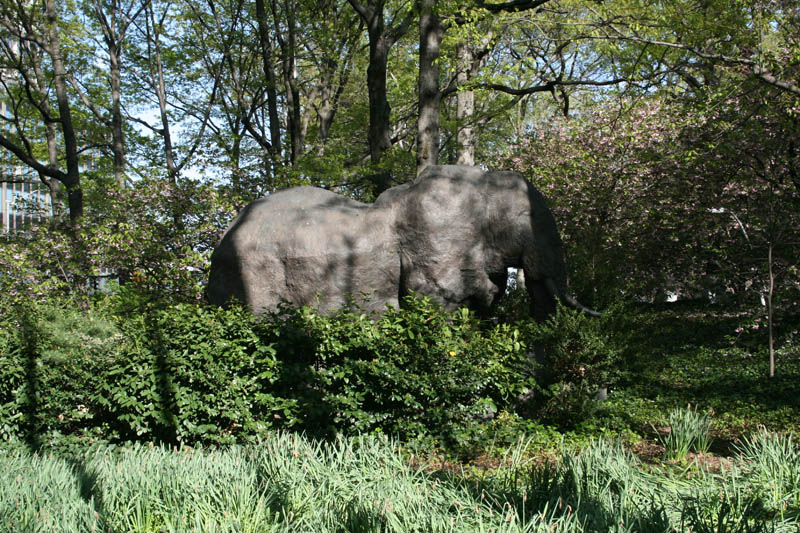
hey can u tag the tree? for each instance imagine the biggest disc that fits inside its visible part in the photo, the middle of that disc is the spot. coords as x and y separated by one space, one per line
265 41
530 49
113 18
431 31
381 39
239 137
165 79
334 39
701 43
32 32
286 35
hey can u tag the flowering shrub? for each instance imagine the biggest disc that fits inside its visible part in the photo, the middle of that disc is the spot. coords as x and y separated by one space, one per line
659 200
35 265
610 181
158 236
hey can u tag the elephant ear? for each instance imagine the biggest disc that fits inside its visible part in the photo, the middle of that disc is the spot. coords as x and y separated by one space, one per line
442 237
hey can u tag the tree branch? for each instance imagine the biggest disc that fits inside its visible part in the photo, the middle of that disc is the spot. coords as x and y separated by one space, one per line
770 79
29 160
513 6
547 87
82 95
146 124
755 68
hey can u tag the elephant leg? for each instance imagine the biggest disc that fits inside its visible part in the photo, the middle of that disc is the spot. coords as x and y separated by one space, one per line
543 305
451 284
500 280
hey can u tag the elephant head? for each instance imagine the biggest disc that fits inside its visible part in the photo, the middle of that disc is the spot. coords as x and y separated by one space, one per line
451 234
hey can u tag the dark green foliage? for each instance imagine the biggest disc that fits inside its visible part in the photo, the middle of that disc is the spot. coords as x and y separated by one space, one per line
182 373
576 359
51 361
191 373
127 367
686 353
744 513
413 371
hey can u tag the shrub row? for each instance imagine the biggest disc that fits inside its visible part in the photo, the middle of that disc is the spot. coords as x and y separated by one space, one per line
193 373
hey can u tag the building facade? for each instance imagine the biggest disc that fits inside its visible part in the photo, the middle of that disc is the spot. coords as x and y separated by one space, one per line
24 199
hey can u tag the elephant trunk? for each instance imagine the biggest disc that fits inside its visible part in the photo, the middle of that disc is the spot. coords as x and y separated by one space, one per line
567 299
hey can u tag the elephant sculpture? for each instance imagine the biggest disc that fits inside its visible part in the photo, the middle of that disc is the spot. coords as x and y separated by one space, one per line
451 235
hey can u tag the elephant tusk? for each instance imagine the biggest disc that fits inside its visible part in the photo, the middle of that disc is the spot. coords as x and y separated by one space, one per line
568 300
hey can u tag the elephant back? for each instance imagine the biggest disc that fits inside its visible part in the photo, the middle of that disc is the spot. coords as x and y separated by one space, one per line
302 246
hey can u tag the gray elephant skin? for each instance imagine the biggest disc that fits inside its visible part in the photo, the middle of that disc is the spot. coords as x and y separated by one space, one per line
451 235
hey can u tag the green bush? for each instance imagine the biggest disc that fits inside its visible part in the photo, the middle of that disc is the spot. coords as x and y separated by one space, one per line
416 370
189 373
198 374
576 358
180 373
51 362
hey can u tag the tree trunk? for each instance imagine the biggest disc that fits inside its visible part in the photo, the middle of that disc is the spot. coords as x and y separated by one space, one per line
117 132
51 136
288 55
325 114
113 35
71 179
770 310
114 26
269 77
431 32
236 156
292 91
381 41
465 107
379 111
157 73
52 159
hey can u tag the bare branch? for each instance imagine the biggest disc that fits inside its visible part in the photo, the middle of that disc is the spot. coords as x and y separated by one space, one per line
770 79
146 124
513 6
753 66
550 86
82 95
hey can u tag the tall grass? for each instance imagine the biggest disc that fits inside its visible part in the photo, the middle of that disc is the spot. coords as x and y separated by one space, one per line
290 483
690 431
773 461
286 483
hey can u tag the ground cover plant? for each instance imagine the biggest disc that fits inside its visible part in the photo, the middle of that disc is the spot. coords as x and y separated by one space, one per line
713 358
